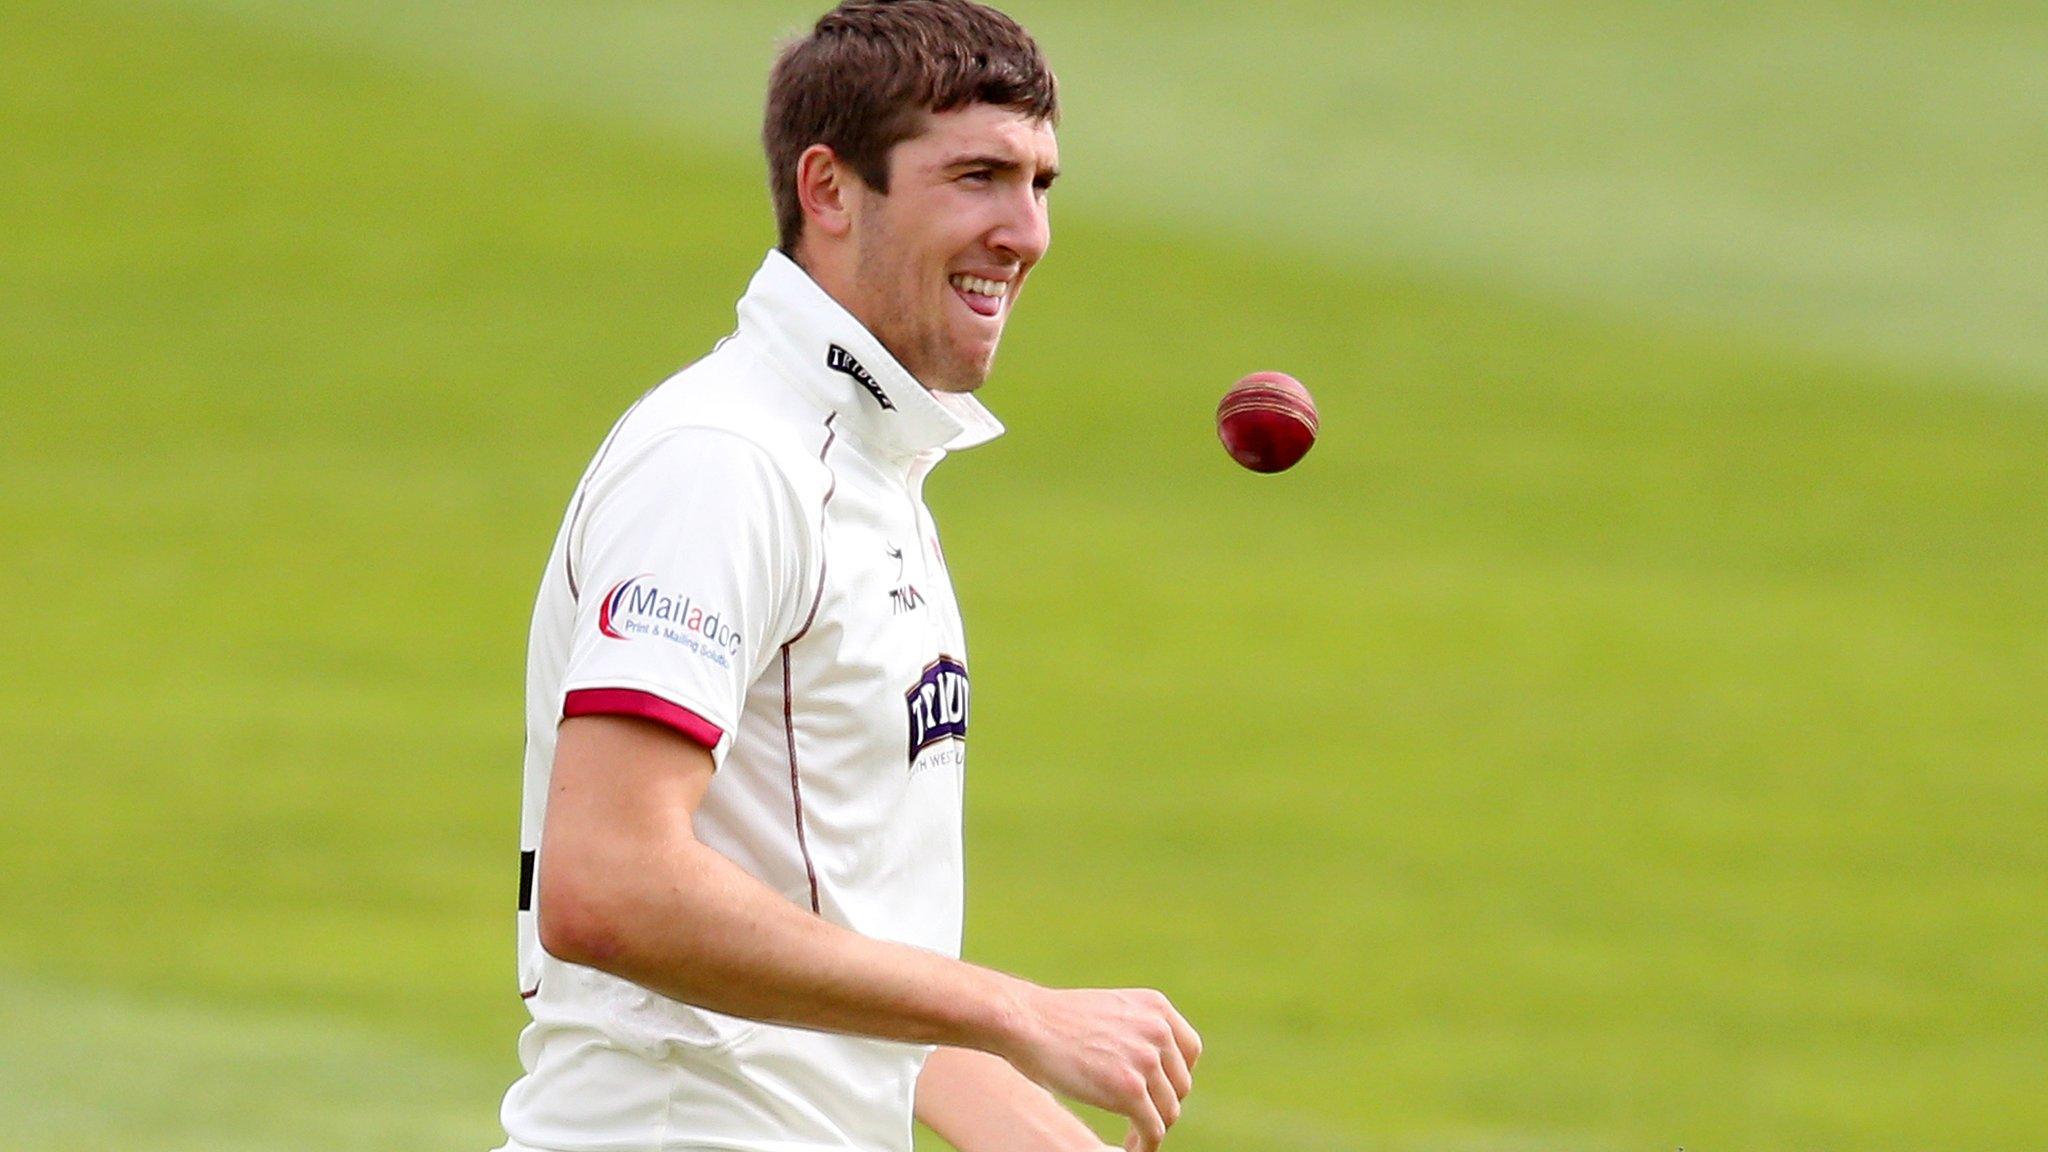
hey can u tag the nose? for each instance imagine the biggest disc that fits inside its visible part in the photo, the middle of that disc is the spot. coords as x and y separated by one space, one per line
1025 230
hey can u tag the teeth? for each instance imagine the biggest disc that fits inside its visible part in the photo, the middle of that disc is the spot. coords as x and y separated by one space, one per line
981 287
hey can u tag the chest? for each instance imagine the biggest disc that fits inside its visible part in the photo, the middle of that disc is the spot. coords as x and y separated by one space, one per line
883 665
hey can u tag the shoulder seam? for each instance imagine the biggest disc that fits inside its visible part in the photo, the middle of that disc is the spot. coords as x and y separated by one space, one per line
818 597
583 489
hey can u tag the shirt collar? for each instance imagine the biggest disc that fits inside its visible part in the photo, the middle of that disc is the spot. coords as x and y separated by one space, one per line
821 347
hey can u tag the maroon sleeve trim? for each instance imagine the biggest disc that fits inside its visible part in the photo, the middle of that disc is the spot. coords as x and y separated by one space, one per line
647 706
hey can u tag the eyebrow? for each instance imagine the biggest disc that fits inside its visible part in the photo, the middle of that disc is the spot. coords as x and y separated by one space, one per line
1003 164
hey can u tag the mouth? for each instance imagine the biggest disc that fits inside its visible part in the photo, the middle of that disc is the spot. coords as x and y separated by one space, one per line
985 296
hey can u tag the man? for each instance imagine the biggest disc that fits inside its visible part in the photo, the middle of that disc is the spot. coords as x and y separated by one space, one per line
740 899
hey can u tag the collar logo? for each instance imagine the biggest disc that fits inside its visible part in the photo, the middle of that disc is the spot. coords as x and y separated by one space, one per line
840 360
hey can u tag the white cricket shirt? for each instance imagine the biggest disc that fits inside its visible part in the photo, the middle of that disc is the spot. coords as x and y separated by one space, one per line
749 560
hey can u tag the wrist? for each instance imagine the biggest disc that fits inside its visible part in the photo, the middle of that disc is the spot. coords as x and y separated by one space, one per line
1008 1017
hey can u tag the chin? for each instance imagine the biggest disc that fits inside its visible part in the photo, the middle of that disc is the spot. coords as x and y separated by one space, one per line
965 373
959 384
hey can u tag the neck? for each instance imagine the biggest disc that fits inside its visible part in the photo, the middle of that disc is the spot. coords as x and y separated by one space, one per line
831 267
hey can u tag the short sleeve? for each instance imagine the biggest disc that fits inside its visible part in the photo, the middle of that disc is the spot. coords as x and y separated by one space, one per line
692 558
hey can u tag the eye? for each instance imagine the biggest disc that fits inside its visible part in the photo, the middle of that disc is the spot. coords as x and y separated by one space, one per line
978 176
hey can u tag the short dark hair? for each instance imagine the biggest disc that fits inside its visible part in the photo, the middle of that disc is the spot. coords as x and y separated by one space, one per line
867 75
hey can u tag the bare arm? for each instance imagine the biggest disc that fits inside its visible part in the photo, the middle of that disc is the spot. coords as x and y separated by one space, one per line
979 1103
626 887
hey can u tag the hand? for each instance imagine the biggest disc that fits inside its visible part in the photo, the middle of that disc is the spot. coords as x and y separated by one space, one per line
1127 1050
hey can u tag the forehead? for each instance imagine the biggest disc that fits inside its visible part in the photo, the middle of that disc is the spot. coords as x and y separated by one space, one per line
984 130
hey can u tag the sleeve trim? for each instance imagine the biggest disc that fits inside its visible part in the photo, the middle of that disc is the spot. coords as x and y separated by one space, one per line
647 706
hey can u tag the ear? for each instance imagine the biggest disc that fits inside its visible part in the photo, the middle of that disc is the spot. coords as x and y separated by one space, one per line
825 188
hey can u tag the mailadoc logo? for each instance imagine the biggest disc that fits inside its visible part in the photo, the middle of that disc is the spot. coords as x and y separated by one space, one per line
938 705
637 607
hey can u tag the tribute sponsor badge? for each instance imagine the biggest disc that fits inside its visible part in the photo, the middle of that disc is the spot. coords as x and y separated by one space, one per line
938 705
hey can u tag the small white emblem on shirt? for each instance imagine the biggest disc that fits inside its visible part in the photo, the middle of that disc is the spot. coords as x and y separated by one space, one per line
904 597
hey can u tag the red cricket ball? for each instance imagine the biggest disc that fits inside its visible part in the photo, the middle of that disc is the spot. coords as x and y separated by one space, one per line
1267 421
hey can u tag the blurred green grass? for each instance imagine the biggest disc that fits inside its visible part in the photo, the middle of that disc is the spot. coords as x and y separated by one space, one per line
1622 731
1841 176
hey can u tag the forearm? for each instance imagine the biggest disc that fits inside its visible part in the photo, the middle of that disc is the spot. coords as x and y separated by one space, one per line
699 929
979 1103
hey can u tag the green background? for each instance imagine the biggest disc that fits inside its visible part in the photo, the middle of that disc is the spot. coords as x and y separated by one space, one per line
1624 731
